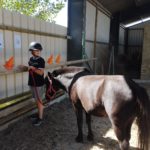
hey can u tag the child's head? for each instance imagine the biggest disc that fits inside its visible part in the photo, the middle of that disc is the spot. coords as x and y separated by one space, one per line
35 48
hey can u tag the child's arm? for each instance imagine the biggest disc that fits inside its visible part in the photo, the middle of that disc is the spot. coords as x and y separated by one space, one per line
34 69
37 70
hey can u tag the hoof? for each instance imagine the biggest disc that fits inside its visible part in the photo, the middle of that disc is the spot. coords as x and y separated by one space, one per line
79 139
90 137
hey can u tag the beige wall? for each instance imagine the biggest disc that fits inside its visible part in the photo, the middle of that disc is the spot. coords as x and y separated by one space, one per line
145 69
16 33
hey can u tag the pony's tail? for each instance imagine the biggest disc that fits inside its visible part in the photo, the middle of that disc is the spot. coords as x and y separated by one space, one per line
143 119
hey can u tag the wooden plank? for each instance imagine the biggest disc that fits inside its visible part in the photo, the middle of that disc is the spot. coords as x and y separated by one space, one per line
11 28
26 109
51 66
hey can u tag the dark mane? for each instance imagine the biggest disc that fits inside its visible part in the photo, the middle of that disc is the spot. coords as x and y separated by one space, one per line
70 69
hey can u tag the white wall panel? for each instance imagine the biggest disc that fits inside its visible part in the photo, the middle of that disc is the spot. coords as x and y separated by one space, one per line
43 42
48 27
63 30
25 47
18 83
64 50
17 48
90 21
53 28
25 58
42 26
60 30
38 38
31 38
1 16
31 22
48 48
37 24
9 52
89 49
7 17
103 27
18 60
16 44
53 46
2 59
24 21
16 19
3 87
56 47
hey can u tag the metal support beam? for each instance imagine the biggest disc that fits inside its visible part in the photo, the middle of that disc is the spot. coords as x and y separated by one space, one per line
114 37
76 28
114 32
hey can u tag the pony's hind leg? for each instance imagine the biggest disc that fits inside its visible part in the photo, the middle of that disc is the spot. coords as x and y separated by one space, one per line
88 121
79 115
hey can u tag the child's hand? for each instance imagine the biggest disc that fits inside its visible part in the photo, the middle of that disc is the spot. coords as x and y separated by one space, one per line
31 68
22 68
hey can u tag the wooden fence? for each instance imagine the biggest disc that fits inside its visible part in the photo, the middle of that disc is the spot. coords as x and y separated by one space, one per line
14 107
16 32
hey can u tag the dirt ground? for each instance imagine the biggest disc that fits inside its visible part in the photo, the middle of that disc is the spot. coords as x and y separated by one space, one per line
58 132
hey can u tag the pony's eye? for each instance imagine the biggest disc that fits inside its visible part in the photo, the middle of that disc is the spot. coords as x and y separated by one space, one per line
55 74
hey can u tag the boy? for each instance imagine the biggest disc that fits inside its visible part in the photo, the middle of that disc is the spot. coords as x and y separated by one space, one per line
36 79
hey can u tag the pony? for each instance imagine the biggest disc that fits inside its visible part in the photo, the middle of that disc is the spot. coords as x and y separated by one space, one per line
114 96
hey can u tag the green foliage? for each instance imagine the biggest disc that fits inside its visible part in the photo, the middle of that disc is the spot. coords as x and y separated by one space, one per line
43 9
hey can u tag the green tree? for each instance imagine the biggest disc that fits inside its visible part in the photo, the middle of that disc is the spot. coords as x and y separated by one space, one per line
43 9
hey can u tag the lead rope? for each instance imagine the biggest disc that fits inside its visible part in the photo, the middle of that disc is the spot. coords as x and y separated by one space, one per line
50 89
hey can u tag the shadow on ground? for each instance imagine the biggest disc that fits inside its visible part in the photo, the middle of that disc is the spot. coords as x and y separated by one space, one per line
57 132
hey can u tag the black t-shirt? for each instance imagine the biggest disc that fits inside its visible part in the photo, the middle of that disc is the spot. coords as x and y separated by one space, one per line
37 62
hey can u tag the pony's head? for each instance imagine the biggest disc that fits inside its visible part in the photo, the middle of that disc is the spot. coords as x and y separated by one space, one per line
61 79
52 86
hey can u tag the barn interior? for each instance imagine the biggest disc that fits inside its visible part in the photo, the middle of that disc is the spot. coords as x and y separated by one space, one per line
98 29
128 13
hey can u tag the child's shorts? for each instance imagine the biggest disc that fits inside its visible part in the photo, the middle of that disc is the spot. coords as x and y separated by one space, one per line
37 92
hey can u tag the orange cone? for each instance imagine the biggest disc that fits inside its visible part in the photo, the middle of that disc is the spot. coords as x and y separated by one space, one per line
50 59
58 58
10 63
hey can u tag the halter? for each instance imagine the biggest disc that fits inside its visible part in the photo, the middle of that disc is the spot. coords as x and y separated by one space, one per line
50 89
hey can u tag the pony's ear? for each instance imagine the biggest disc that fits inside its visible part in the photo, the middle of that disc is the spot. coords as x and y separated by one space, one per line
49 74
87 70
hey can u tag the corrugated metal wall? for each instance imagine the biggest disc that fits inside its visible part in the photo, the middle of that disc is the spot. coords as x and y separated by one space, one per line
16 32
130 51
95 18
121 49
102 51
134 50
90 30
135 37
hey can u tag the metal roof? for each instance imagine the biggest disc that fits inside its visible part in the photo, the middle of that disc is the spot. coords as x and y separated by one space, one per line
129 10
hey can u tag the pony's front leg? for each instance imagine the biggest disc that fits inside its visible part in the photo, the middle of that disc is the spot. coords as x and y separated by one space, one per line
79 115
88 121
